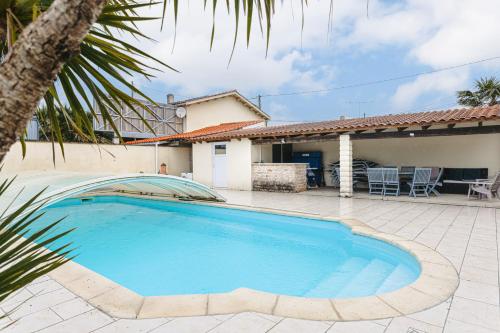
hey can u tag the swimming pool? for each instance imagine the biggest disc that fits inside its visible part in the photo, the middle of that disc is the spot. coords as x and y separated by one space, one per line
170 248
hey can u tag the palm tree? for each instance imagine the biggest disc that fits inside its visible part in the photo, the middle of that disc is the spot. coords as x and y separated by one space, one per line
487 93
66 50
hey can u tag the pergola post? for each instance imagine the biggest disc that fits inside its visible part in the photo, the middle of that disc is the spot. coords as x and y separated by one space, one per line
345 166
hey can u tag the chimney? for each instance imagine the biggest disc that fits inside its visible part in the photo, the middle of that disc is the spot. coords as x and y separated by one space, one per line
170 98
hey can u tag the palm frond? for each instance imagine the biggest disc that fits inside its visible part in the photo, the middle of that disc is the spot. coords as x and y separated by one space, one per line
23 254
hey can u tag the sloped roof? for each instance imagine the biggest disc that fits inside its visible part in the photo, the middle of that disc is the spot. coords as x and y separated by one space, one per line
233 93
224 127
369 123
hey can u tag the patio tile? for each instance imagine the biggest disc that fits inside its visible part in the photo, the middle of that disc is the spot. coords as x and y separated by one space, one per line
481 262
244 322
478 292
72 308
298 325
435 316
84 323
132 325
4 322
33 322
479 275
40 279
455 326
17 297
272 318
481 252
356 326
491 245
225 317
475 313
43 287
383 322
41 302
188 325
405 324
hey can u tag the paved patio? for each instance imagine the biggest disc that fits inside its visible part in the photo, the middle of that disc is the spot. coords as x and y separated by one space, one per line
467 235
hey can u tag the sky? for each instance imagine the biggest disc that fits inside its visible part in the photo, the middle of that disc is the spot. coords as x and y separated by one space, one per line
389 39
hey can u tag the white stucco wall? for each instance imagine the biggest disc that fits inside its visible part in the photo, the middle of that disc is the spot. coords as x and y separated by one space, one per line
202 163
98 159
466 151
215 112
239 164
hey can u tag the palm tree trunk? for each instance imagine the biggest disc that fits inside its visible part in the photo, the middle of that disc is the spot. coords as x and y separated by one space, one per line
35 59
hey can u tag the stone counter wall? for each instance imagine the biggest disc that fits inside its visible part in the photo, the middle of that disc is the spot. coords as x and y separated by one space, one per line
279 177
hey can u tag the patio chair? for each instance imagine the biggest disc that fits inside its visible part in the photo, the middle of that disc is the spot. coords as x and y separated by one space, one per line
436 175
375 181
391 181
420 182
488 188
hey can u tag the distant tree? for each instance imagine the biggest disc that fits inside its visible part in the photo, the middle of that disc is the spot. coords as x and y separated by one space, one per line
487 93
47 129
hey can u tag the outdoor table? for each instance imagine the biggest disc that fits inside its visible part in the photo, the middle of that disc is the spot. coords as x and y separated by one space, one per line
466 182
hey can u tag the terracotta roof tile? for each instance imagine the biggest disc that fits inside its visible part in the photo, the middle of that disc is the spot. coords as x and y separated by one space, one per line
224 127
385 121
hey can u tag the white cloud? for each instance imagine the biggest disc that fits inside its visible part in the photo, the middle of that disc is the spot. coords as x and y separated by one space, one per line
250 70
437 34
443 82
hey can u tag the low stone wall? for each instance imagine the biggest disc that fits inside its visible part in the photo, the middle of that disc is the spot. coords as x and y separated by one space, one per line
279 177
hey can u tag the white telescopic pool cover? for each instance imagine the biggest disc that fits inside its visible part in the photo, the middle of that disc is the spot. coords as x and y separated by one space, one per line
58 186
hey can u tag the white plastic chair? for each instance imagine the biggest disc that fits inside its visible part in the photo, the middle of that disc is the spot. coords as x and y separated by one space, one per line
488 188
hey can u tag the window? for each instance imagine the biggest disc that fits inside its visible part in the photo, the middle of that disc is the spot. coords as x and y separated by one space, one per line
220 149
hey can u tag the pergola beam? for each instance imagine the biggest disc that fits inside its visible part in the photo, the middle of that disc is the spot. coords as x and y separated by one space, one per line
430 132
322 137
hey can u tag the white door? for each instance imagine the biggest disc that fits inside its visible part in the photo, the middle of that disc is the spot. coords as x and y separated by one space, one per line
220 164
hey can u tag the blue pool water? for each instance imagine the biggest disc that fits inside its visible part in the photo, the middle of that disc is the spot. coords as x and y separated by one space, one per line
170 248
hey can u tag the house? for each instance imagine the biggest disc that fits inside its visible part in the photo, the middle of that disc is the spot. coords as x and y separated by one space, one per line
214 114
228 155
177 117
